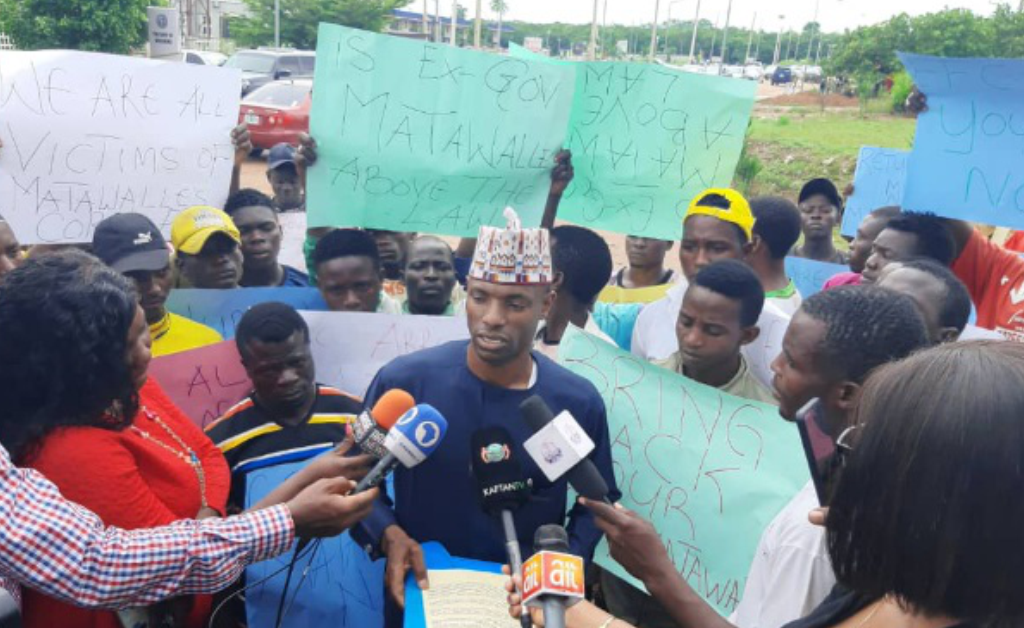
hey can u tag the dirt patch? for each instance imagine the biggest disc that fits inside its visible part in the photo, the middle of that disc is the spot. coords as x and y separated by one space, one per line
811 99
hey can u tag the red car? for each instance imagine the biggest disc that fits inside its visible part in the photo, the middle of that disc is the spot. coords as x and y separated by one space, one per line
277 112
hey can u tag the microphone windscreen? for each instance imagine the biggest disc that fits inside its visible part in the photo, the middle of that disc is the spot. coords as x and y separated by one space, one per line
536 413
391 405
498 474
550 538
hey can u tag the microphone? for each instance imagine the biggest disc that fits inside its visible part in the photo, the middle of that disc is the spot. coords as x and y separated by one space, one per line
552 577
416 435
371 427
582 474
503 488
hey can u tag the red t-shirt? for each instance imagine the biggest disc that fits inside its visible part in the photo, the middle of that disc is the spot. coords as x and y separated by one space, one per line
130 482
842 279
995 279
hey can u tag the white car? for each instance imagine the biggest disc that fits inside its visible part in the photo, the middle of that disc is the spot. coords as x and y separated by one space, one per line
197 57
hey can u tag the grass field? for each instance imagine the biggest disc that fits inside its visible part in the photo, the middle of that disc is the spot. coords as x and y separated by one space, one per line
795 144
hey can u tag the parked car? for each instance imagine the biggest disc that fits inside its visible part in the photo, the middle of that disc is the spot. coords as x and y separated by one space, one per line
753 72
198 57
260 67
782 75
277 112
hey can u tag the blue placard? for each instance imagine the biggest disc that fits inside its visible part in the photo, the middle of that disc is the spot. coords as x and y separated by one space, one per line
966 161
436 557
343 589
222 309
878 182
810 275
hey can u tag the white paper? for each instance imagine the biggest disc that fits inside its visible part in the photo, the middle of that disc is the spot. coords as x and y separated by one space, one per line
466 599
350 347
87 135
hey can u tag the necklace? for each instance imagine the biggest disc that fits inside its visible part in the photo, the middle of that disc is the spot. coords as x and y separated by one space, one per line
187 456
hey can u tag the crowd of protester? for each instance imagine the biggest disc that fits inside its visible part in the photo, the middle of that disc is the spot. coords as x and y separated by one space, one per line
922 529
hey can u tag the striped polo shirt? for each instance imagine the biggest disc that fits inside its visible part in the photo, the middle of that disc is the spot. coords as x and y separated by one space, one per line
250 439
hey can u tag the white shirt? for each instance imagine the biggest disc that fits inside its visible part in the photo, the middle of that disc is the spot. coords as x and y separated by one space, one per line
791 573
552 350
654 336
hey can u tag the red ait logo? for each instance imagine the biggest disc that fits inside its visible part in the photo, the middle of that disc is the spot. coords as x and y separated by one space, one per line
496 452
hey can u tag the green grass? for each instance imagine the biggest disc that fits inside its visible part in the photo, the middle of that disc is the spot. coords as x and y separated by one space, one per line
834 133
797 145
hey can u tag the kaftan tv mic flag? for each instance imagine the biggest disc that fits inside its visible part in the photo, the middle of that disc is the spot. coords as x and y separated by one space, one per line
560 447
371 427
503 486
552 577
414 437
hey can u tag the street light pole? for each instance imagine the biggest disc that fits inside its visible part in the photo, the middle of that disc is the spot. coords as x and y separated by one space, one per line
477 25
778 42
654 30
693 39
592 48
277 23
455 22
725 35
750 40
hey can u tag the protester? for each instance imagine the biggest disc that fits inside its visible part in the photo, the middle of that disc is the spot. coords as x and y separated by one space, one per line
776 230
431 286
718 225
833 343
718 316
645 278
860 247
393 247
908 235
206 249
133 246
941 298
820 207
478 383
10 250
348 270
288 416
284 178
581 260
254 216
80 409
891 549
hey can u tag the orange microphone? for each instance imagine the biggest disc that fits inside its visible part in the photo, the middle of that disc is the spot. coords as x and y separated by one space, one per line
371 427
552 578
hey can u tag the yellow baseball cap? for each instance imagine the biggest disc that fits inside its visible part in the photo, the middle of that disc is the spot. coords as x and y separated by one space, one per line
194 226
738 212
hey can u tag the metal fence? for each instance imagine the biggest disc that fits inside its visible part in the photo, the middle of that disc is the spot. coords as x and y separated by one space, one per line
5 42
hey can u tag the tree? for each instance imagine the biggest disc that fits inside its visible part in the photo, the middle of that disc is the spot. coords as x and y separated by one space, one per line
499 7
114 26
301 18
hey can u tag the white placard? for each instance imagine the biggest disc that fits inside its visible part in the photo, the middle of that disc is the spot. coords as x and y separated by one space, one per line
350 347
87 135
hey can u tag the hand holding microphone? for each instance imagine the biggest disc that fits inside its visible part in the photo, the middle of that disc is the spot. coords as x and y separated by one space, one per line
552 577
371 427
415 436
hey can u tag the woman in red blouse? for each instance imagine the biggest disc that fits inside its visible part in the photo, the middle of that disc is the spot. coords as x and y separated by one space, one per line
83 413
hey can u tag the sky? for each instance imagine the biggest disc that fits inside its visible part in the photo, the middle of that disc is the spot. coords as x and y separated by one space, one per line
834 15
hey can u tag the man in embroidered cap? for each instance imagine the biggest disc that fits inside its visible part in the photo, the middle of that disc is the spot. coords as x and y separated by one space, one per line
479 383
719 224
206 245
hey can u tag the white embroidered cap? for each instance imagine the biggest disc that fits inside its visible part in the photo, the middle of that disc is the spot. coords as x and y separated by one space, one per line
512 255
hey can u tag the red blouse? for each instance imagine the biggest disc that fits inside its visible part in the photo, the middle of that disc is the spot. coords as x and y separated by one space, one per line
130 482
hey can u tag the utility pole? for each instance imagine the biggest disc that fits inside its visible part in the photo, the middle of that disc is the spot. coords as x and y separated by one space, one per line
277 23
696 22
455 22
426 25
778 42
477 26
725 35
654 30
437 22
750 40
592 48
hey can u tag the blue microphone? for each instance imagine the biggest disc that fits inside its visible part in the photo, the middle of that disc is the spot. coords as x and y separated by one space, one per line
414 437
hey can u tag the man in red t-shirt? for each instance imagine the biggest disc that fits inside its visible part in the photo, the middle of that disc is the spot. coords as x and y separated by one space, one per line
995 278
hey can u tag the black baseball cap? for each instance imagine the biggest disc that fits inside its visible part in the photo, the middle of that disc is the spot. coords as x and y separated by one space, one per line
282 154
129 243
824 187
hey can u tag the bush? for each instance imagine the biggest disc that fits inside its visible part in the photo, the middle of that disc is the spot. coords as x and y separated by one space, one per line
782 121
902 84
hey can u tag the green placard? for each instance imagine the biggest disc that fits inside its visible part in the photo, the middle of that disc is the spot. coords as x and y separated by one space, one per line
646 139
415 136
708 469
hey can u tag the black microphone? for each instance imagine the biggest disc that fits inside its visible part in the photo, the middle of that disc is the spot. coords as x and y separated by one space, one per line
584 477
503 487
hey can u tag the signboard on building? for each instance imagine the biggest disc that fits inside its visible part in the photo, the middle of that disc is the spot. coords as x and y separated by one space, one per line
533 44
164 31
